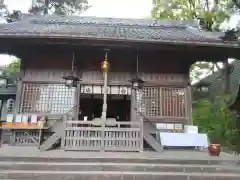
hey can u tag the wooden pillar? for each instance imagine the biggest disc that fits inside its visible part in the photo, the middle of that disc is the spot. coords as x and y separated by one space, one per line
77 100
189 105
133 106
19 93
17 108
134 117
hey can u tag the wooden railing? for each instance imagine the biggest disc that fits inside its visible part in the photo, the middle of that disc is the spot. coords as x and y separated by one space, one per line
109 136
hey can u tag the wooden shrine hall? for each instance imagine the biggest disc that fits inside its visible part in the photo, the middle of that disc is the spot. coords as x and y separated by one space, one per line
89 83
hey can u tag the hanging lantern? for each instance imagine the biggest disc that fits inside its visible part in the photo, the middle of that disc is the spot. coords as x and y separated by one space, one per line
105 63
137 83
71 80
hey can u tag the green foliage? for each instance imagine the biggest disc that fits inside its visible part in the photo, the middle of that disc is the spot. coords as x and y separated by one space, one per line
14 66
60 7
219 122
12 71
213 12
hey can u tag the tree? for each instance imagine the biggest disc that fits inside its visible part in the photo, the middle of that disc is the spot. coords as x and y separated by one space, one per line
14 67
12 70
3 10
217 122
210 13
59 7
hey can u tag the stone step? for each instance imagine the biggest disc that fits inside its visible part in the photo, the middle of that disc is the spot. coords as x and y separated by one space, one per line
122 160
109 175
122 167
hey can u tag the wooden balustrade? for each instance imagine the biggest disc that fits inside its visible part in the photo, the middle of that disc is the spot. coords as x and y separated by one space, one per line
108 136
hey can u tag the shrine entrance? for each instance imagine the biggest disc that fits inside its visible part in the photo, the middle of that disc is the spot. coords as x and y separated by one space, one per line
118 107
89 132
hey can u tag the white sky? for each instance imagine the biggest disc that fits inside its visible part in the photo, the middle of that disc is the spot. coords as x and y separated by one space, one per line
100 8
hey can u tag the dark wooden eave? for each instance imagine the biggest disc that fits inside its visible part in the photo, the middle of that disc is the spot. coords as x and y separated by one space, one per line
18 46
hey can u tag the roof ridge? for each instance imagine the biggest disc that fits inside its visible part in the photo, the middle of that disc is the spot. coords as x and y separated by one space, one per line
76 23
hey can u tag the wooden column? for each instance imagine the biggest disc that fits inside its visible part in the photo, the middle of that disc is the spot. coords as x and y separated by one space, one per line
77 100
189 105
18 97
133 106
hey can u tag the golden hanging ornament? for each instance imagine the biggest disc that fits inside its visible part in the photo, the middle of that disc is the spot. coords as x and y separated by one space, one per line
105 66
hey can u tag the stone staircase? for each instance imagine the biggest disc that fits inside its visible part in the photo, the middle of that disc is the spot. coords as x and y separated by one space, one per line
38 168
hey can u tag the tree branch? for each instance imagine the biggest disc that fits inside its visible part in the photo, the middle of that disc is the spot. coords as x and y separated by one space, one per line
236 3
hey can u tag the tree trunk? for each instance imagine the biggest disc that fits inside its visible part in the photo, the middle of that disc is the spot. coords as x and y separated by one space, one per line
227 76
46 5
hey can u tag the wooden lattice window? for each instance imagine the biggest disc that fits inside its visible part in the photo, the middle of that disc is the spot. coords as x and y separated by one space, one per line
164 101
173 102
151 101
47 98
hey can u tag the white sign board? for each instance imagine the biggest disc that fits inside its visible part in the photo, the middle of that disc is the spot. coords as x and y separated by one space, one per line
18 118
183 139
170 126
190 129
161 126
34 119
10 118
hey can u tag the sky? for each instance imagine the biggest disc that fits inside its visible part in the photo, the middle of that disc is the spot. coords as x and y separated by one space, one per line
100 8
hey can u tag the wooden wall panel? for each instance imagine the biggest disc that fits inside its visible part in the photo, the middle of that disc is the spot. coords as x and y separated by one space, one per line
120 61
154 67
